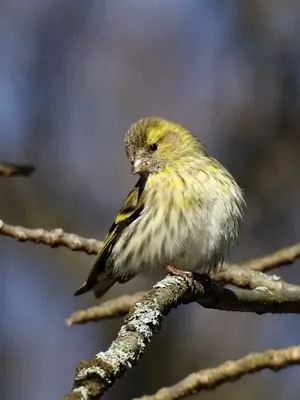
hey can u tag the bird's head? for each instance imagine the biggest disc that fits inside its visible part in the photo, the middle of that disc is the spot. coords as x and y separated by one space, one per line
154 144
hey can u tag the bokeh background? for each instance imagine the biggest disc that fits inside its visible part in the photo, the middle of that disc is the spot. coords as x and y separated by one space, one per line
73 76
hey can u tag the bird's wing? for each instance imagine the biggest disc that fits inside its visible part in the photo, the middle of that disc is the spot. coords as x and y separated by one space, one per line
130 211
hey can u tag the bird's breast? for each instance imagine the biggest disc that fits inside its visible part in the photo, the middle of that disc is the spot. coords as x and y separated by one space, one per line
179 225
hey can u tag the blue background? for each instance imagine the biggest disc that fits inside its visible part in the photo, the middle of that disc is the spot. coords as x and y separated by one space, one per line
74 75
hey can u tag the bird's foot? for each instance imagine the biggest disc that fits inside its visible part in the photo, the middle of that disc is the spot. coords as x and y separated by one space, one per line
189 277
186 275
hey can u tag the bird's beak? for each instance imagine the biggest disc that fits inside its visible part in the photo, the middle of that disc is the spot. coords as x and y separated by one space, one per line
138 167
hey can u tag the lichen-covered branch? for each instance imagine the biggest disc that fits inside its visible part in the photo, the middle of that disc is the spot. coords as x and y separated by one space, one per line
260 300
260 294
9 170
55 238
94 377
273 292
208 379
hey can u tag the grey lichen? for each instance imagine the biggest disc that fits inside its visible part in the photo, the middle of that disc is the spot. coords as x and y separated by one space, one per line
141 324
145 319
131 341
84 373
263 288
276 278
168 281
82 392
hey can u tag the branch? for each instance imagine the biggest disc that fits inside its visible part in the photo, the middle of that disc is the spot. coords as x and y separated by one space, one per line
270 295
108 309
239 276
55 238
9 170
261 300
246 278
58 237
280 258
208 379
95 376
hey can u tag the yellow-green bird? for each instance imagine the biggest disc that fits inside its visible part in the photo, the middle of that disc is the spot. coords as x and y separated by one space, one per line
182 215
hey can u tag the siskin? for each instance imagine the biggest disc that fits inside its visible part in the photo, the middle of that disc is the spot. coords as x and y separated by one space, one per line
182 215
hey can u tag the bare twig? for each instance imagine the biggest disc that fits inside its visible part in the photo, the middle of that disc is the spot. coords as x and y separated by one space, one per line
95 376
108 309
280 258
211 378
9 170
55 238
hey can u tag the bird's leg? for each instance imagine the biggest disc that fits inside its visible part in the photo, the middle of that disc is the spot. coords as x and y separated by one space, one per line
187 275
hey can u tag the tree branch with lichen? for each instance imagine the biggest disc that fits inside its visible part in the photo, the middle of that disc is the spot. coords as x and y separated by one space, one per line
267 294
260 300
144 320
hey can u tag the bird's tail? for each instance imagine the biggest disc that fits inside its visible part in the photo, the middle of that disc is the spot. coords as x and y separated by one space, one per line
103 284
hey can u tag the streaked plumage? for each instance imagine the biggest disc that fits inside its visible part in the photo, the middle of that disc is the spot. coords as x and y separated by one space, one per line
184 211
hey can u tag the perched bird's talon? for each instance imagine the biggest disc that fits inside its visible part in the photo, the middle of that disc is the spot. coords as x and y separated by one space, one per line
187 275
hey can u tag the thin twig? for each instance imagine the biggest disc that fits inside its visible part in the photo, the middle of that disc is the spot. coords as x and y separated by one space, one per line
9 170
280 258
108 309
55 238
208 379
246 278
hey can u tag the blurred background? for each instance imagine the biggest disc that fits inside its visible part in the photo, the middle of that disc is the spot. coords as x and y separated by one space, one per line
74 75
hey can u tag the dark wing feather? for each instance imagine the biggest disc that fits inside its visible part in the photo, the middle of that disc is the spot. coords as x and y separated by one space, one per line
132 208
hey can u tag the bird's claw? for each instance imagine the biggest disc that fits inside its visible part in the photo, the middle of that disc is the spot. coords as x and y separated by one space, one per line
189 277
186 275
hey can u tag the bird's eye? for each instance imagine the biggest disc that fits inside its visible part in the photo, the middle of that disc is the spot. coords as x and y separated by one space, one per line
153 147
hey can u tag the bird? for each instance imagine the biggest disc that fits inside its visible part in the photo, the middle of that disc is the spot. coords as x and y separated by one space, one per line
183 215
